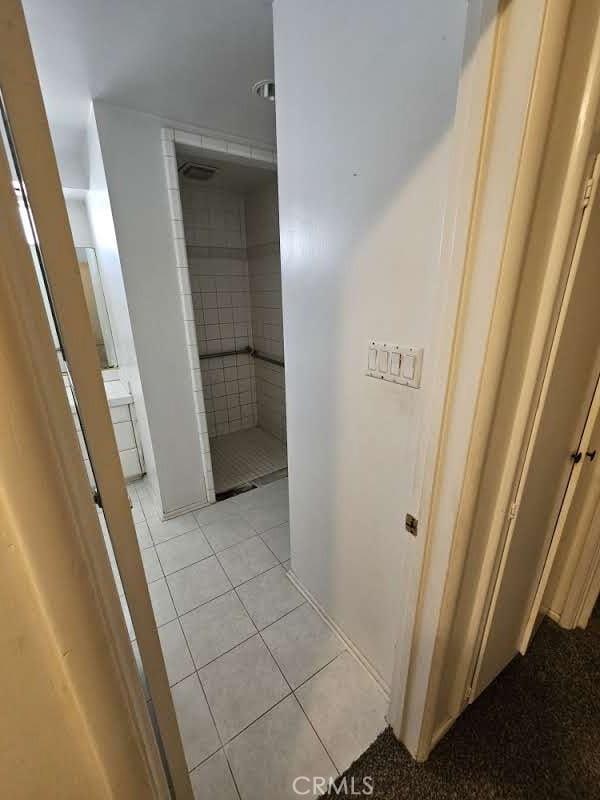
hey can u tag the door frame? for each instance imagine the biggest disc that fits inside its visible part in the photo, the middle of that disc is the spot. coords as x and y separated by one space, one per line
440 651
581 571
27 118
223 149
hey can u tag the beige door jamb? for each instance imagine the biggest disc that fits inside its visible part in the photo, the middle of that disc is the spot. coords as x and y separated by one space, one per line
25 108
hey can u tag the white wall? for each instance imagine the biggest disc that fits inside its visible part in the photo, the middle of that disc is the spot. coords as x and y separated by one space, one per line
109 264
213 221
130 145
78 218
365 100
264 267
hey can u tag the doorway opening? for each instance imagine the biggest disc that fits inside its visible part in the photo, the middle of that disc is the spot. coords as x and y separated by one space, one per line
231 228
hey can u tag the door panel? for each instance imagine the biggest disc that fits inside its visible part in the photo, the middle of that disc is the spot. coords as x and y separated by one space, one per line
567 393
26 143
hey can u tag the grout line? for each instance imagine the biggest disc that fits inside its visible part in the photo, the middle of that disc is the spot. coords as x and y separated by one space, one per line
331 660
258 632
226 652
227 591
260 716
210 711
293 691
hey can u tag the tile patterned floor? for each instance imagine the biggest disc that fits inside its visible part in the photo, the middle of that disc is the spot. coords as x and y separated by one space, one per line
245 455
264 690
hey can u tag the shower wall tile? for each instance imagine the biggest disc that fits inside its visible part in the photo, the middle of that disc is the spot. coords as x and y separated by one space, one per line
215 234
264 267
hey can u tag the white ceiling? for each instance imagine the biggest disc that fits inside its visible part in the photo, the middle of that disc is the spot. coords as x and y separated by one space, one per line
191 61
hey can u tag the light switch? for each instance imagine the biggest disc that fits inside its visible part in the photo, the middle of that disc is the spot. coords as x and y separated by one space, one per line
408 367
372 358
395 364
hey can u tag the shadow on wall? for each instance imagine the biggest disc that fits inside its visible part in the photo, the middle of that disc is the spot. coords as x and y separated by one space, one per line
365 108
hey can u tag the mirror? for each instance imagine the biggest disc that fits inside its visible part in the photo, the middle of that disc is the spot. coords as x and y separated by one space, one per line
96 304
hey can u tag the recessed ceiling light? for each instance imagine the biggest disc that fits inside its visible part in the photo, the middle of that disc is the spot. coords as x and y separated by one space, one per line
265 89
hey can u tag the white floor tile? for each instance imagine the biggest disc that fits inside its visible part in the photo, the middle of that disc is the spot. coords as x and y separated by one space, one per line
162 605
227 532
274 493
148 502
267 517
162 531
151 564
197 584
346 708
143 534
178 660
241 685
269 755
138 514
301 643
246 560
212 780
217 512
183 550
198 733
278 540
216 627
269 596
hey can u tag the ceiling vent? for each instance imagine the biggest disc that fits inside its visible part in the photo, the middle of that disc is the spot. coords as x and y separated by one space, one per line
264 89
197 172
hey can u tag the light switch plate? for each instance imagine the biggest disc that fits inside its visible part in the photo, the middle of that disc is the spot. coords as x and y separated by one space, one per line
382 366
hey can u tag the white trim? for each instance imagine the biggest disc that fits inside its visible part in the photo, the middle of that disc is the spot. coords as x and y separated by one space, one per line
490 191
232 148
177 512
67 485
531 37
22 94
591 593
556 261
352 648
467 134
187 310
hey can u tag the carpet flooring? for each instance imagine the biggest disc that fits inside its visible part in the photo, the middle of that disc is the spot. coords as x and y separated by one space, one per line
534 733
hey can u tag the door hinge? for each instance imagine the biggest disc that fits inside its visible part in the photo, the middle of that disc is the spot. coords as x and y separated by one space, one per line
512 511
97 498
469 692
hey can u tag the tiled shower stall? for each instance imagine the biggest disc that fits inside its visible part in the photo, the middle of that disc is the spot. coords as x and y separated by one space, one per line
232 247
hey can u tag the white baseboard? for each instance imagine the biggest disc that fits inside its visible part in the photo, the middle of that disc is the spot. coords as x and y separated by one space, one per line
554 615
441 730
352 648
184 510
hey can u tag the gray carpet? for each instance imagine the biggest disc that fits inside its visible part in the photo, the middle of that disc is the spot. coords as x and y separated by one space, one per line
534 733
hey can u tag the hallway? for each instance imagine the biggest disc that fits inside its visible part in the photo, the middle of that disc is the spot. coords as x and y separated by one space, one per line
534 733
263 689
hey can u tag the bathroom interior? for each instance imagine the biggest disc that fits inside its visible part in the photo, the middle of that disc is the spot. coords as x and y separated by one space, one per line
254 668
231 230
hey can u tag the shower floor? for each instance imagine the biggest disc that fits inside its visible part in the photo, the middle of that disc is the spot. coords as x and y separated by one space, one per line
243 456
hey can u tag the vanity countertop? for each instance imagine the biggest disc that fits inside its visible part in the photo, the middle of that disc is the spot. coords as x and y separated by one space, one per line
117 393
